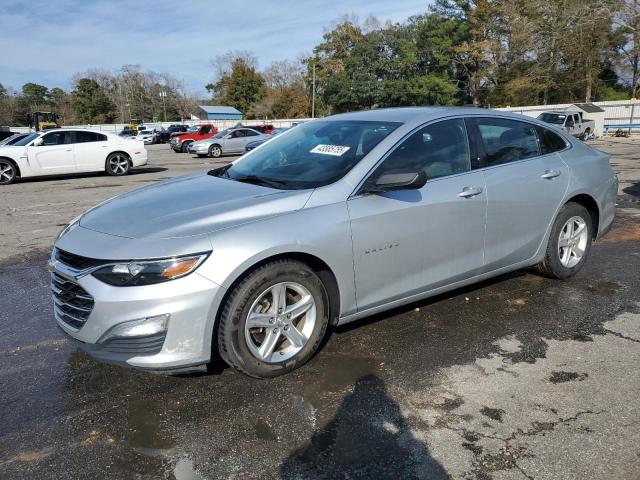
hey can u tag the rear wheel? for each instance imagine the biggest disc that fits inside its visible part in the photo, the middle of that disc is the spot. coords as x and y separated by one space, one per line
8 172
274 319
215 151
118 164
569 242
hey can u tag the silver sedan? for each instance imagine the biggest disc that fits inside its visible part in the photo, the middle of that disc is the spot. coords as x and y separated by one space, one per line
332 221
226 142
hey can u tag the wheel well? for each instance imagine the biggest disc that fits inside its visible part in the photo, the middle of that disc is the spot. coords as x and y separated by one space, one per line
319 267
14 164
592 207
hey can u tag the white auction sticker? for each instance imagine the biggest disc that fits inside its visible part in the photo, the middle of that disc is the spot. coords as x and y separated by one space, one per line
335 150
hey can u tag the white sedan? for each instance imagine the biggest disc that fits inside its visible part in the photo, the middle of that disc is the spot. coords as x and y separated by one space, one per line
61 151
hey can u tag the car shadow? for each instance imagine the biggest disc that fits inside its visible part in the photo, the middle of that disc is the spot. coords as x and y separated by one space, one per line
370 319
633 190
69 176
367 438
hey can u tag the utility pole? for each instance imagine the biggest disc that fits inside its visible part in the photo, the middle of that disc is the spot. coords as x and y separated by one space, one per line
313 92
163 94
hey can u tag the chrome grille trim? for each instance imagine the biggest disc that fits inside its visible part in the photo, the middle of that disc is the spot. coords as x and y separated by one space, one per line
72 304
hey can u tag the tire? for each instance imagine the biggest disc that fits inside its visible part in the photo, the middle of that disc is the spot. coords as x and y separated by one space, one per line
241 345
215 151
185 147
567 250
8 171
118 164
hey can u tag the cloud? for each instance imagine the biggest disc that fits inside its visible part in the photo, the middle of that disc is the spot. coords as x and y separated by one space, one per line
51 41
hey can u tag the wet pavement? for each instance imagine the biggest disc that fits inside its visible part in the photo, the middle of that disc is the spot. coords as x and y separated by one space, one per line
517 377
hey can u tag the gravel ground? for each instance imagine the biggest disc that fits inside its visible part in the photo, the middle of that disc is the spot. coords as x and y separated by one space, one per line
520 377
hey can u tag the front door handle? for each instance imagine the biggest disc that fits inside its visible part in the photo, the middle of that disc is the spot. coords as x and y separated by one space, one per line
548 174
468 192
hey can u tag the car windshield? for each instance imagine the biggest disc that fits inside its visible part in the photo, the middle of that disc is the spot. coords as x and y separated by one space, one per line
27 139
145 132
554 118
193 129
310 156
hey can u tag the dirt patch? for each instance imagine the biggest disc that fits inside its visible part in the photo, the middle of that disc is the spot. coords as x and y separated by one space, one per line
493 413
622 233
562 377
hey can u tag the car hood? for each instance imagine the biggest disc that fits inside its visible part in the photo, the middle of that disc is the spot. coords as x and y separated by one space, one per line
191 205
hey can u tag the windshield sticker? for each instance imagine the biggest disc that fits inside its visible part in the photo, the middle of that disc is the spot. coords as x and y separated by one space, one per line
335 150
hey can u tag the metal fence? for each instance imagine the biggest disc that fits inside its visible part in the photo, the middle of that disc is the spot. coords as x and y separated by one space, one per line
220 124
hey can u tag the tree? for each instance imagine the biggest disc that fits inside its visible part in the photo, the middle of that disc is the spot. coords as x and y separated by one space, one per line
242 87
91 104
626 19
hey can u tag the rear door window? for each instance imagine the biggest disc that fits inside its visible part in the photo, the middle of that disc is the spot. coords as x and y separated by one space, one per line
506 140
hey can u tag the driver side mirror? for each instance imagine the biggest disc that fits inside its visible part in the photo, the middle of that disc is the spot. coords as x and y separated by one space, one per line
38 141
388 182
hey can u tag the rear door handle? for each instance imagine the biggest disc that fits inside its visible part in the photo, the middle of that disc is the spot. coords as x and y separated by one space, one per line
548 174
468 192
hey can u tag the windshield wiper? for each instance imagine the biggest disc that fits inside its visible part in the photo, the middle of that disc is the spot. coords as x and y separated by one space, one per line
259 181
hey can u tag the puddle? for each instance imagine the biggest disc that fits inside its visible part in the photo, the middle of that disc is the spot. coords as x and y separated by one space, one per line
146 426
604 288
264 432
184 471
337 373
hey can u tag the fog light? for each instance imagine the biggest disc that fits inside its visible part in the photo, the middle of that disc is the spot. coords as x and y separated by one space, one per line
143 327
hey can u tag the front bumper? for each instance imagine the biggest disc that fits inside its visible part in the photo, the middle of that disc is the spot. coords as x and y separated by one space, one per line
198 149
191 302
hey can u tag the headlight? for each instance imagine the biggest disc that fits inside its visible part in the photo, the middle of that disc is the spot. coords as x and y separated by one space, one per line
136 273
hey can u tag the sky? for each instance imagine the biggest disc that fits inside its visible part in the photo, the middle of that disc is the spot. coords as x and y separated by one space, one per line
48 41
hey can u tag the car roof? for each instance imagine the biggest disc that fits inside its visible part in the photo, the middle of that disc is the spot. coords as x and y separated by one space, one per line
418 115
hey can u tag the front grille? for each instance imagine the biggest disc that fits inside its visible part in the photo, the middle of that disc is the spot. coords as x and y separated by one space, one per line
77 262
71 302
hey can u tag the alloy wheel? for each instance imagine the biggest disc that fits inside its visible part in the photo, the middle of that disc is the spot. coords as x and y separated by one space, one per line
572 242
118 164
7 171
280 322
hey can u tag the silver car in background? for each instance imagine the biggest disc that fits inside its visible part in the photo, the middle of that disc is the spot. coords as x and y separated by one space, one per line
227 142
332 221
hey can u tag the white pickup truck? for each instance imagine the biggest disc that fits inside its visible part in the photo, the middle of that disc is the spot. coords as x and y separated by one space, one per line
571 121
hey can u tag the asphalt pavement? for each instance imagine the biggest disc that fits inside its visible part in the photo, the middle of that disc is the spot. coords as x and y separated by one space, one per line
519 377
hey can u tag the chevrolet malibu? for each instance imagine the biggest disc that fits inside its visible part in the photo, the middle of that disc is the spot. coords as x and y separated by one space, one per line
334 220
59 151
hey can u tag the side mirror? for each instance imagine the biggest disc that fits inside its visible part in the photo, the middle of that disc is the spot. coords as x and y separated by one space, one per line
397 181
38 141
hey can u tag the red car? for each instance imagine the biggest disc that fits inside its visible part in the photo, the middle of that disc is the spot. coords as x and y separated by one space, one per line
267 129
180 140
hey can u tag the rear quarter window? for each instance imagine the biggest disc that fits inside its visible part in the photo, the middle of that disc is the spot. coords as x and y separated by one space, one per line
550 141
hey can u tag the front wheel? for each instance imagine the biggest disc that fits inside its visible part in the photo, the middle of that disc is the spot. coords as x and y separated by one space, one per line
215 151
569 242
274 320
185 147
8 172
118 164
